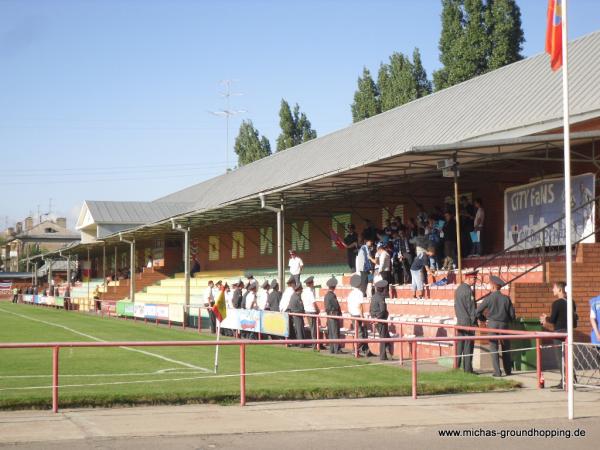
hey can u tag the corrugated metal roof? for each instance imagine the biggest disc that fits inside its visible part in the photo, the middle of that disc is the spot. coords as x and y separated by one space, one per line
134 213
506 102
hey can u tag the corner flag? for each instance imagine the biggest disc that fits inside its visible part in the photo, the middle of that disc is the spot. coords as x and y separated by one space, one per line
554 33
220 308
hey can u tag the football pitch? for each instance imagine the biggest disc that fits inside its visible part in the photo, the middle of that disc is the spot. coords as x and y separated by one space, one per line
154 375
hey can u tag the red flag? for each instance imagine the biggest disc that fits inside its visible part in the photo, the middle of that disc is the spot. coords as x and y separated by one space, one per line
337 240
554 33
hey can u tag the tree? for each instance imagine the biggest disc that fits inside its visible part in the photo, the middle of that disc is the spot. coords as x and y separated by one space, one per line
420 75
477 37
452 31
249 146
295 127
366 98
397 84
503 23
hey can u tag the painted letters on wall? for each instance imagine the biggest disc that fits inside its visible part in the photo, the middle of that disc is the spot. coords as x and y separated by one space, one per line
266 240
301 236
238 245
213 248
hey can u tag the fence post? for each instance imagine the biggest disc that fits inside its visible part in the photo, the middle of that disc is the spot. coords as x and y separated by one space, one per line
455 363
55 379
544 256
242 374
565 373
401 345
414 369
199 319
356 337
538 362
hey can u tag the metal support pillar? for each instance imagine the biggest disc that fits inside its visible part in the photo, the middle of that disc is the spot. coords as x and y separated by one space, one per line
186 261
131 267
457 220
104 265
280 236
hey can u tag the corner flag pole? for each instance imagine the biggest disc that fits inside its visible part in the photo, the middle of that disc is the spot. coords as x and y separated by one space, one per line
568 238
217 346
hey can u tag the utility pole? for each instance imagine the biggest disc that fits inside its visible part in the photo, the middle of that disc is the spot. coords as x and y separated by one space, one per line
227 113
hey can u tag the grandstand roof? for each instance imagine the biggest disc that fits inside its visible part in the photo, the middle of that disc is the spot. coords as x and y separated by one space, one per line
134 212
521 99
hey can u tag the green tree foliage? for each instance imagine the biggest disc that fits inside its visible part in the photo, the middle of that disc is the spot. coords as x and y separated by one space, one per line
420 75
295 127
366 98
477 36
401 81
249 146
503 24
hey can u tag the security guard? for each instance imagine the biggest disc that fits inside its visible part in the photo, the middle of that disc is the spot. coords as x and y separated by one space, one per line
500 313
296 306
332 308
465 312
236 300
379 311
274 297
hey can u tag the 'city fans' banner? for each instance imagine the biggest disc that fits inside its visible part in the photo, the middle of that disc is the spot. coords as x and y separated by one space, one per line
531 207
5 287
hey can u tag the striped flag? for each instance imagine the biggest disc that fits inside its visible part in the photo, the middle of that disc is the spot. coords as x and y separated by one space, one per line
220 308
337 240
554 33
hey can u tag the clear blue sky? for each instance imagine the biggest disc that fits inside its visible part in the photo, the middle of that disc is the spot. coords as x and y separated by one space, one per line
110 100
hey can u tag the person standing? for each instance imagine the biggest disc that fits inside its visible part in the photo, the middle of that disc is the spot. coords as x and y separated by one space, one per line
274 296
384 265
364 264
558 318
332 308
263 296
310 307
466 315
355 302
296 265
297 307
449 236
500 314
421 263
379 311
15 295
250 300
209 301
284 303
351 243
236 298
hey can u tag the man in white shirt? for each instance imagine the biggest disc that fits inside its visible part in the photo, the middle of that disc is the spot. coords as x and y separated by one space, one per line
263 296
309 300
210 294
355 303
284 303
251 296
295 264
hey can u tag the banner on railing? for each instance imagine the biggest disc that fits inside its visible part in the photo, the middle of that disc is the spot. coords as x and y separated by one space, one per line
43 300
266 322
531 207
5 287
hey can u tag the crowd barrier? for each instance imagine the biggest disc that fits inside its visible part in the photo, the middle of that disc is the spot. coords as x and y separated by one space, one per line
242 344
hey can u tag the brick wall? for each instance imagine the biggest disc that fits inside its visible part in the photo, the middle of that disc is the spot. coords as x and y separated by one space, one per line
533 299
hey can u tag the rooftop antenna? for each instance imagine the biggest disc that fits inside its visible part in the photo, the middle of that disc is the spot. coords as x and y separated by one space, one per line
227 113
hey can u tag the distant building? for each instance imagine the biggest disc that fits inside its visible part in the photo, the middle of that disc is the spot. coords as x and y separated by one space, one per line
27 239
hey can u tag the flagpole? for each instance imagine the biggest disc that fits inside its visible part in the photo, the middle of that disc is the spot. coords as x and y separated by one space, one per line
217 346
569 372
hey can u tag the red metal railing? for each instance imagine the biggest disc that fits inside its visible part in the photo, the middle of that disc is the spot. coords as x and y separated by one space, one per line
56 346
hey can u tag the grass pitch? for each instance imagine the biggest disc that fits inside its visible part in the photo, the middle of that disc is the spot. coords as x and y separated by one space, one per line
126 376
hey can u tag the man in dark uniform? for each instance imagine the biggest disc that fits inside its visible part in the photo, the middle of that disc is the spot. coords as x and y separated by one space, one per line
379 310
274 297
351 243
236 299
296 306
466 315
332 308
500 313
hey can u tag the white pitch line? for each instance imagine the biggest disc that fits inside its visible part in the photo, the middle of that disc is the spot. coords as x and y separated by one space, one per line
94 338
173 370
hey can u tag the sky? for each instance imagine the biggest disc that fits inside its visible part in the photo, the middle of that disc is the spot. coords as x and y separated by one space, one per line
114 99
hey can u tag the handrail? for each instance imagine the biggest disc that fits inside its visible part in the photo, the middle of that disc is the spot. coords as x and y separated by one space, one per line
56 346
542 231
